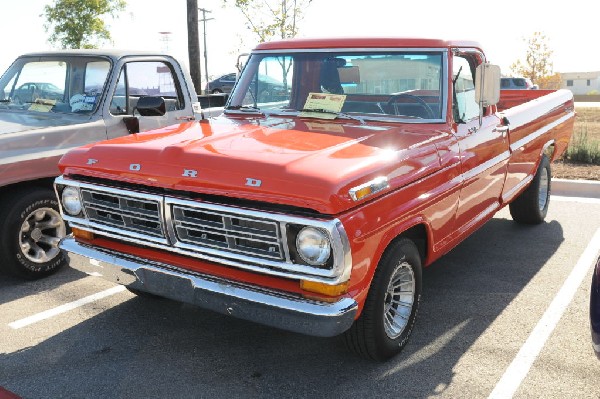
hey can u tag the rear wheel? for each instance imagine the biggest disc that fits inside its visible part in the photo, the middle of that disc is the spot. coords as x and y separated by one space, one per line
390 311
531 206
31 230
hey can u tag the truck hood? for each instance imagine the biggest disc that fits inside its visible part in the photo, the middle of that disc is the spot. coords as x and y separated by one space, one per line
16 122
289 161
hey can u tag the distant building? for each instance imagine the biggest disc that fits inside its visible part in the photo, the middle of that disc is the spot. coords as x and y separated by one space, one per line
581 82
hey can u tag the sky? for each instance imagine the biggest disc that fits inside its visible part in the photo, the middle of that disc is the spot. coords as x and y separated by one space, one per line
500 30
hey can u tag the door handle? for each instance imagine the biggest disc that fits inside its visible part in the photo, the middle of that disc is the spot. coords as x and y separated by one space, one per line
502 130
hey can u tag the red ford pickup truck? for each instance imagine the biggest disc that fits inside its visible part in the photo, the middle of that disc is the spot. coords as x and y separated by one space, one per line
313 207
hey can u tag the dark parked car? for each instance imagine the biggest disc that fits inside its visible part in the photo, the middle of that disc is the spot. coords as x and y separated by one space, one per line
517 84
595 308
31 91
269 89
222 84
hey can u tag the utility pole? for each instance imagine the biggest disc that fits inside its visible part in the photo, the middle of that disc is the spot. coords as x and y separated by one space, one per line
194 44
204 19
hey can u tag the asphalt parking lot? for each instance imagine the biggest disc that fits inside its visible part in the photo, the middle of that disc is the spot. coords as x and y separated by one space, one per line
503 314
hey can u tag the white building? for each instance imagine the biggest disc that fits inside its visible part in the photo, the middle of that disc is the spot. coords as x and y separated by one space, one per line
581 82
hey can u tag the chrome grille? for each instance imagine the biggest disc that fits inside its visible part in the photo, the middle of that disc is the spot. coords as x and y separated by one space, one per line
123 212
244 238
197 225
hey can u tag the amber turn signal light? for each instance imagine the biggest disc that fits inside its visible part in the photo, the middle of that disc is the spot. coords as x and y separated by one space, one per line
84 234
325 289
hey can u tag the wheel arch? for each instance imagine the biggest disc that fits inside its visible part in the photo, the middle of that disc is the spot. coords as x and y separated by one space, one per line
417 230
46 182
549 149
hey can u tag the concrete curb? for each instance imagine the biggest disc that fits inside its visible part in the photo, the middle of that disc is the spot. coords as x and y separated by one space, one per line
576 188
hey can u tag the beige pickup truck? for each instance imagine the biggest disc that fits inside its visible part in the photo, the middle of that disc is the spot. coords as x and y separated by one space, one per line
52 102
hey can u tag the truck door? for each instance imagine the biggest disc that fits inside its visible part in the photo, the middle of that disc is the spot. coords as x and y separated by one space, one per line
484 151
146 77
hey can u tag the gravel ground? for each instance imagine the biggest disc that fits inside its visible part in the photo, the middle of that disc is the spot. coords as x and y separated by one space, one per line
565 170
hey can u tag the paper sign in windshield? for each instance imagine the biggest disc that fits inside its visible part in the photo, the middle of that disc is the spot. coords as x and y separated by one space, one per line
323 105
42 105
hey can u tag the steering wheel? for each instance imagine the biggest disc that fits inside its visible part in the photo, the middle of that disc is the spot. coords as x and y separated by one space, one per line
396 97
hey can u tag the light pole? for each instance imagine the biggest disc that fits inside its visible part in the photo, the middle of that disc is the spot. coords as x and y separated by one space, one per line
165 39
204 19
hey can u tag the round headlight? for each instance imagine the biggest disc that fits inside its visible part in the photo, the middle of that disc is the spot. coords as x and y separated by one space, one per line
70 201
313 246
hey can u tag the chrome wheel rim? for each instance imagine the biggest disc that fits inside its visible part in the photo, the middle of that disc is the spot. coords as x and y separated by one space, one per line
40 234
543 191
399 300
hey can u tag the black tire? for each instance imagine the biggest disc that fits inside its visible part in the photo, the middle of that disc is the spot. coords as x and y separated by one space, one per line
370 336
531 206
31 229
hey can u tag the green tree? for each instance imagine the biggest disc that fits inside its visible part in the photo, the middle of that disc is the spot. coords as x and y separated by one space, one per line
537 65
553 82
79 23
271 19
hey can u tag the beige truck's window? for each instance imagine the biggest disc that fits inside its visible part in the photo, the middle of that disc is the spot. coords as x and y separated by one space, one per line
138 79
65 84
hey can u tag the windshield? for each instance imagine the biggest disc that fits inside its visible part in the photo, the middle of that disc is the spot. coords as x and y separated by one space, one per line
398 85
65 85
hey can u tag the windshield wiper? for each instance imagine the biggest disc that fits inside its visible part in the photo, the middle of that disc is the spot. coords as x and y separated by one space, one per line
339 114
244 108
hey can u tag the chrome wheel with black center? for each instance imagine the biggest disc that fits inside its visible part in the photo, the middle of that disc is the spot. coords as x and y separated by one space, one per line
41 233
31 228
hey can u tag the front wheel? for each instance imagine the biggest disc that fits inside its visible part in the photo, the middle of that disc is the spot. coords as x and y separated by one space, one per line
31 230
390 311
531 206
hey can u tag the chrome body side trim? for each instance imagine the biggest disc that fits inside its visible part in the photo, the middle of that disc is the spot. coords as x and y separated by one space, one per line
525 182
529 138
273 308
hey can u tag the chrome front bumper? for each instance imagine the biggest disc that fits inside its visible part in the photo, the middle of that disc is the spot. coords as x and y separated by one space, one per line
272 308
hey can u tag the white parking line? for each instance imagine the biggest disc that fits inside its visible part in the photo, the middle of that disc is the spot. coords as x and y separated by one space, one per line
64 308
582 200
518 369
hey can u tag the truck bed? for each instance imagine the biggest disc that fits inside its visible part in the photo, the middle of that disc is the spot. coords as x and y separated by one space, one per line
512 98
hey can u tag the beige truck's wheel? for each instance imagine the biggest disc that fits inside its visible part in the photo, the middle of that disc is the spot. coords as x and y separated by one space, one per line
31 230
